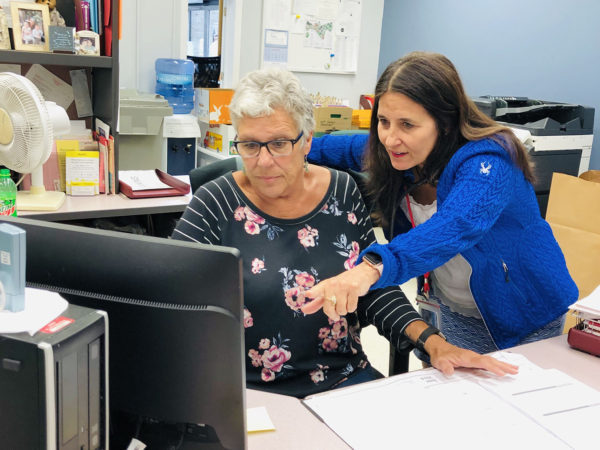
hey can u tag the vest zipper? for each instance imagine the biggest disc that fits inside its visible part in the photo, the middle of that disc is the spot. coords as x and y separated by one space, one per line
505 267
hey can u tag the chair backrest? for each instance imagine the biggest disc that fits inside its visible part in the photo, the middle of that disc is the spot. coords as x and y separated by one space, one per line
208 172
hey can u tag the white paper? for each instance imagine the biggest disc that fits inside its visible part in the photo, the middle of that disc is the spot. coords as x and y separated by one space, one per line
589 305
81 93
536 408
276 14
51 87
83 174
141 180
14 68
41 307
181 125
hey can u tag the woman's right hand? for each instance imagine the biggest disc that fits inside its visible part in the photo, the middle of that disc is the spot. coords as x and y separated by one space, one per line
339 295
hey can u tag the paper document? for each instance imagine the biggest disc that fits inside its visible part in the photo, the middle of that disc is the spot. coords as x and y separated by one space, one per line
141 180
40 308
589 305
537 408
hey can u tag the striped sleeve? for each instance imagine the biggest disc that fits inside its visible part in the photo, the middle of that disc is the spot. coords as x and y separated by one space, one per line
390 312
212 205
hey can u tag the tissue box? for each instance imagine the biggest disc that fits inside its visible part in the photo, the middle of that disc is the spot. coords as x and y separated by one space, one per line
12 268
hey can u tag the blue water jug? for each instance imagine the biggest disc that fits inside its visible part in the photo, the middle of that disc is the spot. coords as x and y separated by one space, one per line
175 82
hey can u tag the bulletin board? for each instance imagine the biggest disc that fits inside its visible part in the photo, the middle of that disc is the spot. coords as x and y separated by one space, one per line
311 35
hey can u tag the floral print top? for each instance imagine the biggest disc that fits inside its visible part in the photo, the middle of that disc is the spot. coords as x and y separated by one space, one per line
287 351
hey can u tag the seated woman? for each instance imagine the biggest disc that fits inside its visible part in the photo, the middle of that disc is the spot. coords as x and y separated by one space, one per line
295 225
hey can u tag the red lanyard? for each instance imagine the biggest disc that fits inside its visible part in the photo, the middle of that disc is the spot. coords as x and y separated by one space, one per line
412 221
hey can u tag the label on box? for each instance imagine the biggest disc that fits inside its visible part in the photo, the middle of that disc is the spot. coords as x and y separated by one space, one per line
57 324
5 257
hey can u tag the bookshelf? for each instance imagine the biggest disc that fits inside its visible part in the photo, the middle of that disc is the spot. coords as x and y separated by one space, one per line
103 76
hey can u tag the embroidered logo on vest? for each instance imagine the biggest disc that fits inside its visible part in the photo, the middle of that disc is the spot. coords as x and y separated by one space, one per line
485 168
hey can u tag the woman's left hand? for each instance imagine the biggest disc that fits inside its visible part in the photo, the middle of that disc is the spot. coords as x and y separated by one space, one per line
338 295
446 357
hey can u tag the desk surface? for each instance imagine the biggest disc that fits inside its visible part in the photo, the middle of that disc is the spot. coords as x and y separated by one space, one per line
110 206
297 428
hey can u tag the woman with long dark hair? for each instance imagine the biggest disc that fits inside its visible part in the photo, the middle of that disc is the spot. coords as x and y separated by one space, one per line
453 192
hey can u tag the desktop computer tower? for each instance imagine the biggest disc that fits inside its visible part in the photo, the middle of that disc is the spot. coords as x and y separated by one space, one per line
53 385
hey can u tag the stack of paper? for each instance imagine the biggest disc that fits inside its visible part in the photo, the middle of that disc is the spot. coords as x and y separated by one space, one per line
538 408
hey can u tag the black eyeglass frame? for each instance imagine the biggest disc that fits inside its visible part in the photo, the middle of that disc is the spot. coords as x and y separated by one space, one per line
266 145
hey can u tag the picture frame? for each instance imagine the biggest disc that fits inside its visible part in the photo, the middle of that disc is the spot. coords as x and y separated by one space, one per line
87 43
4 33
30 26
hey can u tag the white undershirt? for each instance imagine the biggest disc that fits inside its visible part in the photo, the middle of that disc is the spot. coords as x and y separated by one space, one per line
451 280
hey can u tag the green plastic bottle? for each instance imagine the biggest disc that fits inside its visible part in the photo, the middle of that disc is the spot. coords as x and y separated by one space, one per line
8 194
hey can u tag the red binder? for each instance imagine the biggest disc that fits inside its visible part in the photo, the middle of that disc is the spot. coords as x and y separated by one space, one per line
178 187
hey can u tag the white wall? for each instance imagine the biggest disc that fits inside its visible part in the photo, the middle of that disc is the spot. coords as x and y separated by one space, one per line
158 29
245 37
151 29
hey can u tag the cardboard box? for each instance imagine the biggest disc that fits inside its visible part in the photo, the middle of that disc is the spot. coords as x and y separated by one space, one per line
331 118
220 138
212 105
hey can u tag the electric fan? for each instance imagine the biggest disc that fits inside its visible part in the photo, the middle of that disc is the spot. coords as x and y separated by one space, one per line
28 124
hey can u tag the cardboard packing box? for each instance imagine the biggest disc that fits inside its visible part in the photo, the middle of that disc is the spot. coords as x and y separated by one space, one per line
332 118
212 105
574 215
220 138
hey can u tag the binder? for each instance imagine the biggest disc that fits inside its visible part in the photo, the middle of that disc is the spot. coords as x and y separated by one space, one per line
177 187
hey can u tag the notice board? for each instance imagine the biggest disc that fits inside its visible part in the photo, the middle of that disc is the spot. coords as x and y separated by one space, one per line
311 35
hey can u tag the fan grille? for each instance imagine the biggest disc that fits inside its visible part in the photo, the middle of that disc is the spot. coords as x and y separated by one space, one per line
32 133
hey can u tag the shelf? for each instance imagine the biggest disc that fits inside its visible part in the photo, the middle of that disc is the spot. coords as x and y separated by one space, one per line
55 59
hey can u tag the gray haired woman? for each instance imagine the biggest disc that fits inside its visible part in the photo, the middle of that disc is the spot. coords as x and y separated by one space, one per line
295 225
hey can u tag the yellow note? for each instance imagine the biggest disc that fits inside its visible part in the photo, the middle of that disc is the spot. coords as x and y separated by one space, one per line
257 419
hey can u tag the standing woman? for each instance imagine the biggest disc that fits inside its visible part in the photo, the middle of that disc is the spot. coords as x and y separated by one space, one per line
453 189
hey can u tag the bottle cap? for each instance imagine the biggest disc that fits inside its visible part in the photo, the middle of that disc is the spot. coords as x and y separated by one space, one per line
4 173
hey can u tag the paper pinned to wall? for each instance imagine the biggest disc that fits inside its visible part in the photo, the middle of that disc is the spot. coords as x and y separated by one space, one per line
52 87
322 36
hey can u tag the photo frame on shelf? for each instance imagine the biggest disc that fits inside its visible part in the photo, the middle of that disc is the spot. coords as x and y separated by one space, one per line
87 43
30 26
4 33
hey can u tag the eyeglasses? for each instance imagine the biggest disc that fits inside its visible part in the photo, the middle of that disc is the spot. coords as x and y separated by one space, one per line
276 147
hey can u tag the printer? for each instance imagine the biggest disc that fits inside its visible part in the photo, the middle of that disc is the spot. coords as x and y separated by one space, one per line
559 135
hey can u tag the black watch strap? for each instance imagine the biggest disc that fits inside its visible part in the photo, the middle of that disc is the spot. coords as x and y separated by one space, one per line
425 334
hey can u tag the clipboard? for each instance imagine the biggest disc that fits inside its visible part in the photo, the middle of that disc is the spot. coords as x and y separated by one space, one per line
177 188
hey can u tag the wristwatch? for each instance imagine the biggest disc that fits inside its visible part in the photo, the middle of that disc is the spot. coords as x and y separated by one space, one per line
374 260
425 334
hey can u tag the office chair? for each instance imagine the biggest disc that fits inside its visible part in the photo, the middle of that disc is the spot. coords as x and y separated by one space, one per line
208 172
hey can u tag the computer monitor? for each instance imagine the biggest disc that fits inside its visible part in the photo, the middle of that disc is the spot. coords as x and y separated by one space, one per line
175 312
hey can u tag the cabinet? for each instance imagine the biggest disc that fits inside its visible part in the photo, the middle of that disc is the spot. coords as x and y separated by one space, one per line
103 76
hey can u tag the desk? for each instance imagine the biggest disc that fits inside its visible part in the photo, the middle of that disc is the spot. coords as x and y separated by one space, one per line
555 353
77 208
297 428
